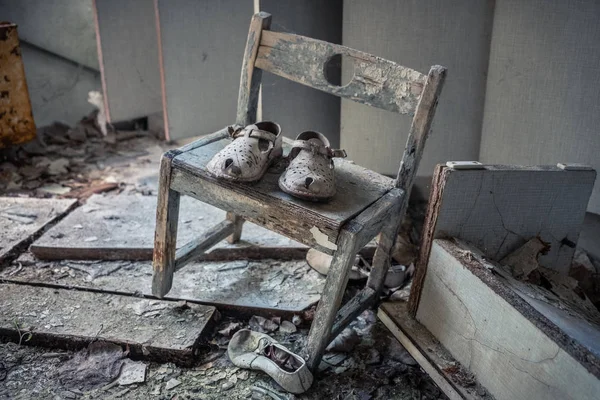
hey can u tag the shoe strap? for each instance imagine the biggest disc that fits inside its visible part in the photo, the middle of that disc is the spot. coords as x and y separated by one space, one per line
253 132
319 149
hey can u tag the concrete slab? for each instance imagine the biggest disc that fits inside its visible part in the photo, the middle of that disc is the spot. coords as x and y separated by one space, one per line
121 227
152 329
22 218
270 286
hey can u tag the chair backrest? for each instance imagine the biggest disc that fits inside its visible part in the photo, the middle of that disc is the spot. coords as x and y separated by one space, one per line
376 82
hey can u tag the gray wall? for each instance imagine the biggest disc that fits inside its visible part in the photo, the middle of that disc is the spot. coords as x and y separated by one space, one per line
63 27
202 46
130 64
418 34
58 43
296 107
543 93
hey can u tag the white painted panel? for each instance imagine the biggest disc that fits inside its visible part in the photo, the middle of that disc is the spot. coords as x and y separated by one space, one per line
508 353
130 64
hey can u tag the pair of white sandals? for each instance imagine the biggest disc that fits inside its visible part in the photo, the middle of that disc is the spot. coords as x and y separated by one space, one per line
310 174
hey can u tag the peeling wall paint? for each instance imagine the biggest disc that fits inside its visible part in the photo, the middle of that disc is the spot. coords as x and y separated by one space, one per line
322 239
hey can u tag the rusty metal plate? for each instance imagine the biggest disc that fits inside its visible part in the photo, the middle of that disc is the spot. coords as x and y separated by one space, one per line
16 118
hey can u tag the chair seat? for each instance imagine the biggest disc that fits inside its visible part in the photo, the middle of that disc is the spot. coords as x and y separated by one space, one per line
314 224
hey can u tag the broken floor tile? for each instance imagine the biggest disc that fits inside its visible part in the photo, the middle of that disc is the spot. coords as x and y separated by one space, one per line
22 218
123 230
132 372
67 316
261 324
198 281
172 384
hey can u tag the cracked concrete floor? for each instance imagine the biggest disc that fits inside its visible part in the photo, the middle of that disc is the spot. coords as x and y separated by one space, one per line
378 368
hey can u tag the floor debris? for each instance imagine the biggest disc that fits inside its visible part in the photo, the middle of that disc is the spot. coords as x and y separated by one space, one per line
345 341
32 372
132 372
172 384
264 325
98 364
524 260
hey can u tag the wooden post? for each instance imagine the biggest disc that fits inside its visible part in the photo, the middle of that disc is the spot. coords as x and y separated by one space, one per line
251 77
335 286
249 92
419 129
381 259
165 237
237 227
415 144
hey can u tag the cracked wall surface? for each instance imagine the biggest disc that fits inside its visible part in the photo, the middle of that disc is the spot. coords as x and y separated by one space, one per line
508 354
500 208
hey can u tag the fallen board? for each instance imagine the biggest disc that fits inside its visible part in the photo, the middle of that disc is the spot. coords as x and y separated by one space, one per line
21 219
151 329
445 371
121 227
268 286
515 351
128 49
499 208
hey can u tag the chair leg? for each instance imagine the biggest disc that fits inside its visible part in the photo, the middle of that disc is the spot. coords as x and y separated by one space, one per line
381 259
165 236
335 286
237 229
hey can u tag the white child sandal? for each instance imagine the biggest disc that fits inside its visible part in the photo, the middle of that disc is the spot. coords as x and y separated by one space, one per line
253 149
310 174
254 350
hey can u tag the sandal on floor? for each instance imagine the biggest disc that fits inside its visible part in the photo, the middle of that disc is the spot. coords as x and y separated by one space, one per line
250 154
254 350
310 175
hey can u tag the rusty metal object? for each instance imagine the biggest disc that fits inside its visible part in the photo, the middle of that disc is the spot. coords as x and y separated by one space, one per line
16 118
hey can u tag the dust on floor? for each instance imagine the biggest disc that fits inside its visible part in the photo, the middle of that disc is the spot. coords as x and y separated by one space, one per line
77 162
377 368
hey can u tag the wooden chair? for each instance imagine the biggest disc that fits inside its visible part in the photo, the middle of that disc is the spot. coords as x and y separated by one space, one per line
366 204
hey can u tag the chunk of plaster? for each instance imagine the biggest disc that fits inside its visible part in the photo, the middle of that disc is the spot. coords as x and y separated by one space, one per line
322 239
